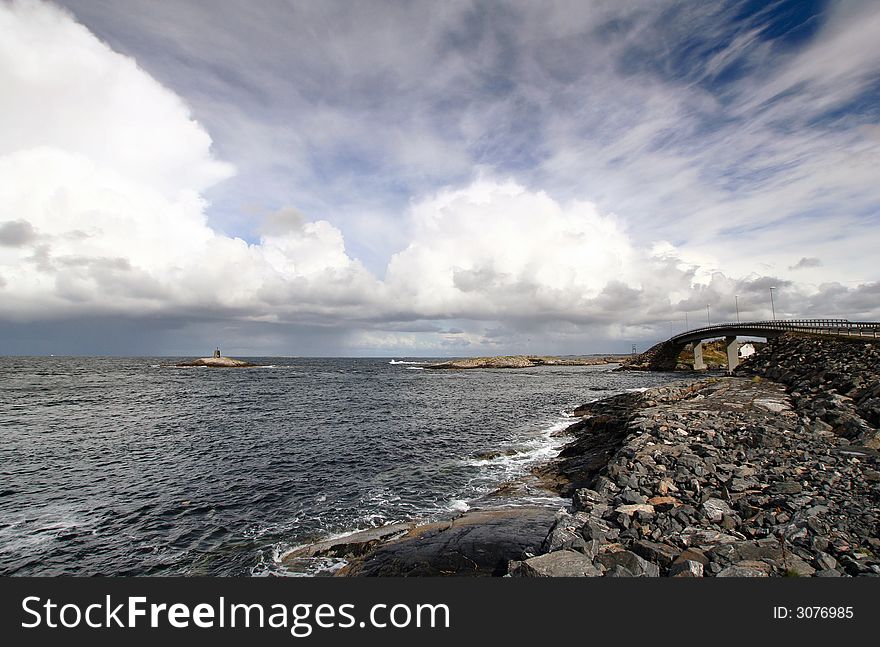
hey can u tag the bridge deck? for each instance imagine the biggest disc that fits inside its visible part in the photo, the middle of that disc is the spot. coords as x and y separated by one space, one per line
836 327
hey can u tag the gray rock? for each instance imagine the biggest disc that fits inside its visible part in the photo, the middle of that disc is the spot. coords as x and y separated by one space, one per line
564 534
715 509
635 564
619 571
586 500
703 537
562 563
824 561
746 569
797 567
786 487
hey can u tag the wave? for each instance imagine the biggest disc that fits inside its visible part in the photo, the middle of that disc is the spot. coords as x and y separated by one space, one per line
401 361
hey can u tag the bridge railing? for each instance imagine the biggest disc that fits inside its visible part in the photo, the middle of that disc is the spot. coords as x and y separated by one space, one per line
837 327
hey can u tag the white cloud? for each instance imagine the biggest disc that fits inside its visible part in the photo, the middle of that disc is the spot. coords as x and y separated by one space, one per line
103 169
494 249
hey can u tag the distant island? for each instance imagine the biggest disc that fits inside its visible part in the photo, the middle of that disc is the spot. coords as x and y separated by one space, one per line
217 361
525 361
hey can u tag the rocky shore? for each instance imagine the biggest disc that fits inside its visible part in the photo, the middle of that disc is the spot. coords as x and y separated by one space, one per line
771 472
524 361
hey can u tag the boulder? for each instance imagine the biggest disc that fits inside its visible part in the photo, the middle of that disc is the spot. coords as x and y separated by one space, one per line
715 509
655 552
686 568
562 563
636 565
746 568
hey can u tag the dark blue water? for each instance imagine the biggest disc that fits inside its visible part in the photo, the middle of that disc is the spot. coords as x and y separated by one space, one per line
122 467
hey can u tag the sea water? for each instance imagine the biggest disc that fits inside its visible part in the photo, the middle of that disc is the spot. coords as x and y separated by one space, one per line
127 466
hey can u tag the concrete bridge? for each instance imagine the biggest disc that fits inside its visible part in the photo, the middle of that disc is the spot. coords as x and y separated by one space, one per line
664 355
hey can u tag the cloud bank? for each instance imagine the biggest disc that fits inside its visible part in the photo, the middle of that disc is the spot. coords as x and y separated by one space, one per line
104 215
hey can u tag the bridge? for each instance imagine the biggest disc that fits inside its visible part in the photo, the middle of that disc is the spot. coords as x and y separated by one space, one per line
664 355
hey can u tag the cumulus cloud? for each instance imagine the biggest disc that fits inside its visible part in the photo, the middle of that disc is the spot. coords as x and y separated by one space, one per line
108 167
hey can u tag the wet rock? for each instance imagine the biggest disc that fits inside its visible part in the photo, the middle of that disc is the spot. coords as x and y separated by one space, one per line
479 543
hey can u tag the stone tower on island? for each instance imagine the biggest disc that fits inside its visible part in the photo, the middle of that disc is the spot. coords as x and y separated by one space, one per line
217 352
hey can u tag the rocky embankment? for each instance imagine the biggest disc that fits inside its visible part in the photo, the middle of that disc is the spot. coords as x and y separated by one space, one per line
774 472
833 381
523 361
217 362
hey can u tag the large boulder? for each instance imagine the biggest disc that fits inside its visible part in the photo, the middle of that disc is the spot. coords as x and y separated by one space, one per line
561 563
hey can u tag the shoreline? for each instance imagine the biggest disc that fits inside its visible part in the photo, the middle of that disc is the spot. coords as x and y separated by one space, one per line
726 476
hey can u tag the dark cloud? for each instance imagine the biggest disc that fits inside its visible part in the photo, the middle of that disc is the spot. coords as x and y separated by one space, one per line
806 262
17 233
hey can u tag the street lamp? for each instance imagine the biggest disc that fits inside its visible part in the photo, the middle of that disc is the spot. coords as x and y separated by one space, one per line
708 318
772 305
736 296
686 326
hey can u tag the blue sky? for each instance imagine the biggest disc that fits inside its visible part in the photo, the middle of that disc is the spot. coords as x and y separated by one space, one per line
439 178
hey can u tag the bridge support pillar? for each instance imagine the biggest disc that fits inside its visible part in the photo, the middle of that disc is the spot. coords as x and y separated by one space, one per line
732 353
699 364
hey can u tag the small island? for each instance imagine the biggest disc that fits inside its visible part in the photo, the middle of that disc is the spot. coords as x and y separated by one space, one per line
524 361
217 361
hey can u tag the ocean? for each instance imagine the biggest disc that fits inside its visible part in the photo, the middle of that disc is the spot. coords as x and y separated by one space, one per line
125 466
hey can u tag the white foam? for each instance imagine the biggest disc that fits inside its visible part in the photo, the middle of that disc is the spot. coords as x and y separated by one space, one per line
458 505
401 361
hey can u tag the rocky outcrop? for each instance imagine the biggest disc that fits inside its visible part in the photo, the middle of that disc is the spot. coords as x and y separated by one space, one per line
523 361
217 362
834 381
479 543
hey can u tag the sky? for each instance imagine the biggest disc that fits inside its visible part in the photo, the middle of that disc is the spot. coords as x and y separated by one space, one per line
416 178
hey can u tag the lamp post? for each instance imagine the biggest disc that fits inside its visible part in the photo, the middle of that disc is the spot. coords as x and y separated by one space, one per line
772 305
708 318
736 296
686 325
